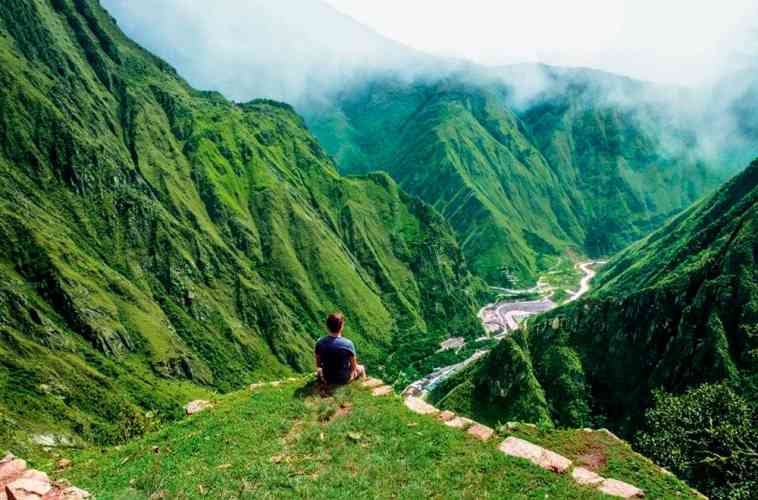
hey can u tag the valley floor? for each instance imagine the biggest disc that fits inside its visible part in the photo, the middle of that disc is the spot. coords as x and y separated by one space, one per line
285 442
502 317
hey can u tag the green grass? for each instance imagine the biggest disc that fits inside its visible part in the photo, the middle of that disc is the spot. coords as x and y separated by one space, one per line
283 443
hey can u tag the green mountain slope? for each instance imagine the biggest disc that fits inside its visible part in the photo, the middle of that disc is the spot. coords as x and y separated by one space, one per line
152 235
573 169
673 311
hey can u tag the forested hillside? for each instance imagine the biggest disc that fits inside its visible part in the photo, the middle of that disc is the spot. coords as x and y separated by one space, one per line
157 241
588 163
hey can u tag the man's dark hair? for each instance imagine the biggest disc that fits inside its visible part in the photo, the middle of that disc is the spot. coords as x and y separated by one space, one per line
335 321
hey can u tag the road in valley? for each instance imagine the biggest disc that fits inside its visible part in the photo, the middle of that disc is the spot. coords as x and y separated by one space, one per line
499 319
584 285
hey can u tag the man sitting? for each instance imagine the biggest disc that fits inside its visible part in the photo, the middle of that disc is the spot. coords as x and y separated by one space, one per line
336 359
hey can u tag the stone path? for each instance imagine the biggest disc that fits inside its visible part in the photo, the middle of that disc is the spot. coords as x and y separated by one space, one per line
514 446
18 482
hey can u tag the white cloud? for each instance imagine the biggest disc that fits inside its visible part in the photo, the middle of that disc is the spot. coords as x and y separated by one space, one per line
673 41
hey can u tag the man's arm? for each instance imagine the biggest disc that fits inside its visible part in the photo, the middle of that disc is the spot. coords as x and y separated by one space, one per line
318 361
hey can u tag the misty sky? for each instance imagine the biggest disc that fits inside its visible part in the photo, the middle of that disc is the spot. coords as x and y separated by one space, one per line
672 41
295 49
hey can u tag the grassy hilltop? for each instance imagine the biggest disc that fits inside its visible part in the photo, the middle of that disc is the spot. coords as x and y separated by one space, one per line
282 442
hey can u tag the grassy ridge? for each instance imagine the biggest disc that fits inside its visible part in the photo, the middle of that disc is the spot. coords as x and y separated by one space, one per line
286 442
158 243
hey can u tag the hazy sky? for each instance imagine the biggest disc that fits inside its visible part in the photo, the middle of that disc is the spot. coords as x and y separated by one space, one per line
673 41
298 49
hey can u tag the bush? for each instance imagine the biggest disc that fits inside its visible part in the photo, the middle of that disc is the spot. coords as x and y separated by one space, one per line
708 436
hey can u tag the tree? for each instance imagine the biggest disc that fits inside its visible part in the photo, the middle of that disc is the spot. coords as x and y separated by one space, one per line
708 436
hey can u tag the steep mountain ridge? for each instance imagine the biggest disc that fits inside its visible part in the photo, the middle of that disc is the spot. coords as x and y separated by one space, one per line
572 167
151 235
672 311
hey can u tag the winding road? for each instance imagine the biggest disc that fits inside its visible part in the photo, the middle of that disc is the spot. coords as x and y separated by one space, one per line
584 285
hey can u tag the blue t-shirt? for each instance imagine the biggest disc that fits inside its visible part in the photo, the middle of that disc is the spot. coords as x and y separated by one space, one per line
336 354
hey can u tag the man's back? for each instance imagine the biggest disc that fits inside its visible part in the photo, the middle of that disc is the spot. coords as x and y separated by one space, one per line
336 355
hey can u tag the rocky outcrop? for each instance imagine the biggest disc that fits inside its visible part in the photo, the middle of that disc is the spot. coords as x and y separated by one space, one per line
18 482
197 406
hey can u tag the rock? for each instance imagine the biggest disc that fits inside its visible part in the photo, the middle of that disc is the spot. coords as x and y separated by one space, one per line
27 489
11 469
253 387
481 431
412 390
47 440
74 493
197 406
460 423
620 489
446 415
63 463
420 406
382 390
586 477
372 382
538 455
35 475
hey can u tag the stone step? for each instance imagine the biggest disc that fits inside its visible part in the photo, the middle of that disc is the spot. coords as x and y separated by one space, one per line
372 382
446 415
420 406
620 489
480 431
382 390
586 477
460 423
538 455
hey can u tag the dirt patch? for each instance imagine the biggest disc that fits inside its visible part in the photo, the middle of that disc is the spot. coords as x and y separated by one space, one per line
331 413
593 458
343 409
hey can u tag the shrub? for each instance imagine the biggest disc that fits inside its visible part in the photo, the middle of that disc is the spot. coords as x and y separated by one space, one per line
708 436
